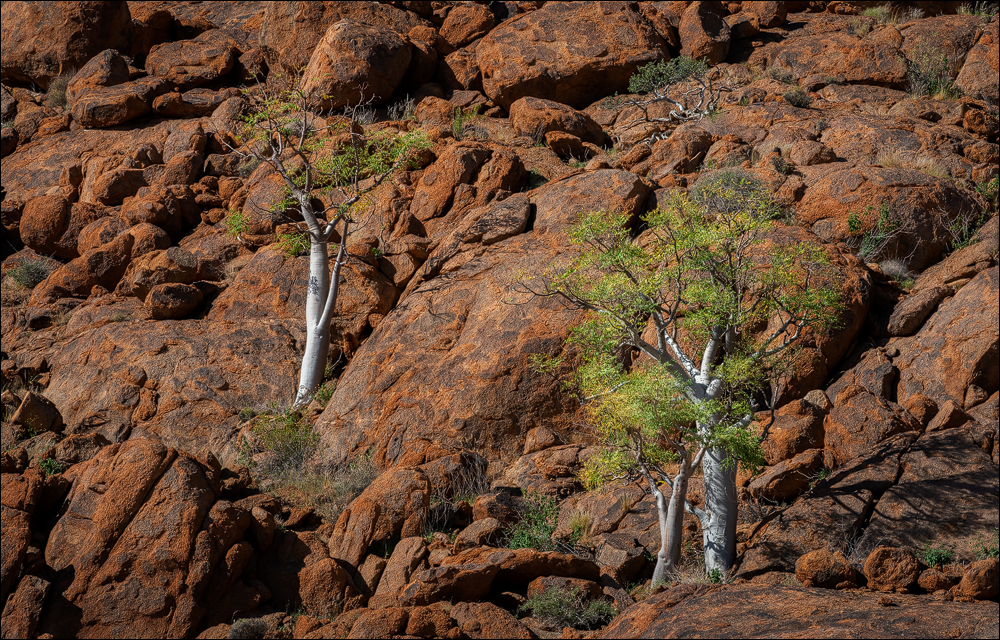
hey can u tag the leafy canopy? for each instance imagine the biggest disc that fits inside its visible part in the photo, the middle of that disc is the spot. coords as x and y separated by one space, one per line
706 274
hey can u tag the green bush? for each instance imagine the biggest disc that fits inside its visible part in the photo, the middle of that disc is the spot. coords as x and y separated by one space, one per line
30 274
658 75
936 556
325 393
564 608
931 72
986 546
462 119
871 232
51 467
537 524
293 245
236 223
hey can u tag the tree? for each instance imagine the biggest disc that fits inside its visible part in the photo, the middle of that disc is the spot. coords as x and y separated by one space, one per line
330 167
684 85
716 310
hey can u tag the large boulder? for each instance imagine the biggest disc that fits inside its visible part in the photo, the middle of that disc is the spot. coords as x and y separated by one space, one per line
889 569
43 40
290 31
111 106
192 63
921 206
355 62
432 369
573 53
957 348
535 117
704 33
978 77
106 69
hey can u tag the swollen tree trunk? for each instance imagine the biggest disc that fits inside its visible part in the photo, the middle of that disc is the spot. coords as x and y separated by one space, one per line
317 336
671 517
722 511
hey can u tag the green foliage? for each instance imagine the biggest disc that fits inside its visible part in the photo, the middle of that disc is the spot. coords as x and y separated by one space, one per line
119 317
293 244
988 190
708 250
325 393
656 76
987 546
820 477
579 525
462 119
30 273
7 124
797 97
860 27
559 607
930 72
51 467
965 226
936 556
871 231
537 524
246 414
715 576
236 223
985 10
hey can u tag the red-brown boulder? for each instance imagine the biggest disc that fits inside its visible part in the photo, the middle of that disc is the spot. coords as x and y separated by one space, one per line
981 580
889 570
44 40
106 69
769 14
788 479
978 77
572 53
534 117
825 570
355 62
465 23
192 63
704 33
105 107
172 301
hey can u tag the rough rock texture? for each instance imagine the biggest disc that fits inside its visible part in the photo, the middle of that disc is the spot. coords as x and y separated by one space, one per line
889 570
567 52
42 40
534 118
192 63
355 62
775 611
464 391
825 570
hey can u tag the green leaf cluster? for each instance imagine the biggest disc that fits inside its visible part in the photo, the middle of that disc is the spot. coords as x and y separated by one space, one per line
705 268
658 75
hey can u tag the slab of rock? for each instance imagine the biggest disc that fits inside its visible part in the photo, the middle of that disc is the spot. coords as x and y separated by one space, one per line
981 581
703 32
860 420
534 117
106 69
451 319
105 107
909 315
193 63
24 608
789 479
978 77
571 53
749 611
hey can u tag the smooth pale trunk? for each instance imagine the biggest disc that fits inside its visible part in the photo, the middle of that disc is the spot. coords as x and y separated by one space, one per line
317 336
671 527
722 508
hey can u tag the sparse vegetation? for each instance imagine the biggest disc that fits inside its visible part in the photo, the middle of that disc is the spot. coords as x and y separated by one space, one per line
119 317
405 109
987 546
965 226
936 556
537 524
985 10
872 233
820 477
249 629
236 223
293 245
561 608
930 72
7 124
579 525
30 273
778 73
463 119
51 467
56 95
797 97
325 393
283 453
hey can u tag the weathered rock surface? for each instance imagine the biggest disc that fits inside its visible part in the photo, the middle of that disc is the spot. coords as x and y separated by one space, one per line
769 611
569 53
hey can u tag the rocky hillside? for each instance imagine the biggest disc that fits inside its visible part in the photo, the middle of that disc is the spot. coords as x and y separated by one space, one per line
155 485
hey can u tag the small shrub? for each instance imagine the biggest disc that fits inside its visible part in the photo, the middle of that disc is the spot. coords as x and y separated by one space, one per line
936 556
890 159
249 629
579 525
985 10
237 223
872 232
820 477
859 27
882 14
537 524
986 546
930 72
30 273
7 124
931 167
325 393
657 75
56 95
462 119
564 608
797 97
896 269
780 74
246 414
51 467
988 190
405 109
965 226
715 576
730 190
293 245
119 317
